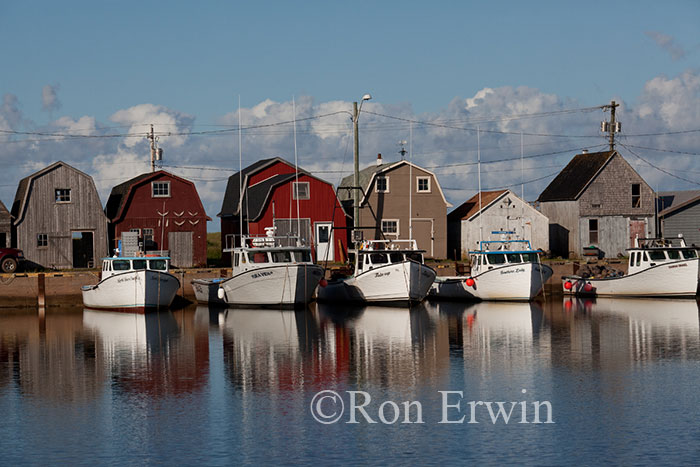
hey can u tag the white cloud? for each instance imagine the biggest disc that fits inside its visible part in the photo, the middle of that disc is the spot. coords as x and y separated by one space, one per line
667 43
165 121
49 98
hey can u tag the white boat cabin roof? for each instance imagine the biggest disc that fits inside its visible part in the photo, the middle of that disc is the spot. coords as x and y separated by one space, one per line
386 246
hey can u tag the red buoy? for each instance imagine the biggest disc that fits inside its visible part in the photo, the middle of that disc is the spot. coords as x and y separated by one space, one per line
588 287
323 282
470 282
568 285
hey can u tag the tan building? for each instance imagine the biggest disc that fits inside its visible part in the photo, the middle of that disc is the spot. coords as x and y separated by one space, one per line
391 192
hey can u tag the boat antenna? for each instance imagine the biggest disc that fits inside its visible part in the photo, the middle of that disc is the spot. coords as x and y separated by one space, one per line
240 176
296 171
478 158
410 181
522 190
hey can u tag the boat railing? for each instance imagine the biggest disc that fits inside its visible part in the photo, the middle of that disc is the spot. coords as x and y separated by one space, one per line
262 240
504 245
660 242
404 244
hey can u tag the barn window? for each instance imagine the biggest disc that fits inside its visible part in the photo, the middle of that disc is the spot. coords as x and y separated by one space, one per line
63 195
423 184
42 240
161 189
301 190
382 185
147 235
593 231
636 195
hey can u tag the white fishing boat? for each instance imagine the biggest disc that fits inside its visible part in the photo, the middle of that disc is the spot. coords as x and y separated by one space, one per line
385 271
133 284
504 269
265 272
207 290
657 267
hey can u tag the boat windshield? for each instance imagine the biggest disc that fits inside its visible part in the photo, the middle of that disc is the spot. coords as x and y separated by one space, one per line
258 257
121 264
281 256
689 254
139 264
378 258
396 257
530 258
674 254
417 257
302 256
657 255
498 258
513 258
158 264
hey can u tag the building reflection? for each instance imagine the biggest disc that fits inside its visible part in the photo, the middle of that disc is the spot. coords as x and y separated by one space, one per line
48 357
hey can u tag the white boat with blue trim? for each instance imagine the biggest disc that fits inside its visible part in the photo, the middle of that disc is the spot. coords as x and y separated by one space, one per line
133 284
657 267
506 269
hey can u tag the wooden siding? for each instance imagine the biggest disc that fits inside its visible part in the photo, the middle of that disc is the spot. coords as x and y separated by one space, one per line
180 248
5 225
426 208
182 211
277 168
563 227
526 221
684 221
58 220
613 234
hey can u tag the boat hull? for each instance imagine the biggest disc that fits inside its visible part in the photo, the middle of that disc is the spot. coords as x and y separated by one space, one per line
207 291
513 282
133 291
279 285
673 279
404 282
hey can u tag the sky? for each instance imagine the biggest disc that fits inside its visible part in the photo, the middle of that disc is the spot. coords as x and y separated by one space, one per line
455 81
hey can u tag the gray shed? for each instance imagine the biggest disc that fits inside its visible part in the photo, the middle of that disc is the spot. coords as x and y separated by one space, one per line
680 215
58 219
5 226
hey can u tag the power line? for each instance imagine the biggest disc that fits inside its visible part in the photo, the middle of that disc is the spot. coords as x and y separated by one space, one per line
658 168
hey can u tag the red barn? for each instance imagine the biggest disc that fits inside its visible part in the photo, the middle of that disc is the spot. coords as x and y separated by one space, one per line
166 212
296 204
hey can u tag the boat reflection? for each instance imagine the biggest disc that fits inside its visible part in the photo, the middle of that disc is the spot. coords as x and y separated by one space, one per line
639 329
150 353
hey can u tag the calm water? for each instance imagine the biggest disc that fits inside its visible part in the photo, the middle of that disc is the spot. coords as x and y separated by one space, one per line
204 386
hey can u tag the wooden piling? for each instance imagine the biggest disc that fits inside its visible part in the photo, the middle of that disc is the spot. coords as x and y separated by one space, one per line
41 280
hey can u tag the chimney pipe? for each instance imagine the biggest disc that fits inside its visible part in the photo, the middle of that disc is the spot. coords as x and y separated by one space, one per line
379 159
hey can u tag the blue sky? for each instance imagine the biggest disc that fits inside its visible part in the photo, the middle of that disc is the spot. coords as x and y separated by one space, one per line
87 66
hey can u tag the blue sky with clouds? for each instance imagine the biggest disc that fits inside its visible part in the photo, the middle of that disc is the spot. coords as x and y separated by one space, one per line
96 68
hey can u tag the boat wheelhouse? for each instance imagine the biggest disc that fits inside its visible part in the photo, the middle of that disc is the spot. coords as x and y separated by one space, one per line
133 284
384 271
270 271
657 267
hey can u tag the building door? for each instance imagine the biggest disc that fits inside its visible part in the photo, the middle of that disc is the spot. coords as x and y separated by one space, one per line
638 228
424 235
83 250
180 247
324 241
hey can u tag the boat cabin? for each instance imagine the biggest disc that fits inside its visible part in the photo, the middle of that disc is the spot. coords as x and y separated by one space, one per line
496 253
118 264
377 253
650 252
253 258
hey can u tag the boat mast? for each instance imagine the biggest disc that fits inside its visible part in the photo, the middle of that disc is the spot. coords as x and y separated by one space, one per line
410 181
478 158
296 171
522 190
240 176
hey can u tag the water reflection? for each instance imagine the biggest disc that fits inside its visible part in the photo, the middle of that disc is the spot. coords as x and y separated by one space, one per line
631 329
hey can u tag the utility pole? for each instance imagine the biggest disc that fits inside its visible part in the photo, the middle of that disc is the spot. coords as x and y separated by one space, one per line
613 126
356 181
156 152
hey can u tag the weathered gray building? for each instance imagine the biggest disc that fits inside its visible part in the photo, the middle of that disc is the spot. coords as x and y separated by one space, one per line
598 200
501 210
5 226
679 214
58 219
401 200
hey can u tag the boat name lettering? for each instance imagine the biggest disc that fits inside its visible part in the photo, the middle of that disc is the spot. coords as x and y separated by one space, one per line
381 274
682 265
261 274
513 271
127 279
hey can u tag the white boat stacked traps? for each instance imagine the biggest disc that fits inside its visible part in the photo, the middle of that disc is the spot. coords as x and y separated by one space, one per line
506 269
269 271
384 271
133 284
657 267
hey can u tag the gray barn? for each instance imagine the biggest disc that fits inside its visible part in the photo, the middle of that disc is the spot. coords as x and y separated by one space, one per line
597 200
58 219
5 226
680 215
